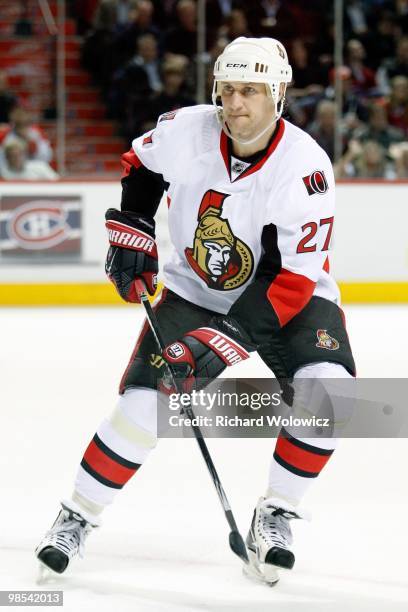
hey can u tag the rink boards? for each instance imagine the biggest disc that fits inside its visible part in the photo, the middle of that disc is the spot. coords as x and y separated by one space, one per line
53 242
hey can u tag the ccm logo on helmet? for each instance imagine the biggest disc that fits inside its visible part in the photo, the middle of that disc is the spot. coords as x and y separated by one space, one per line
237 65
316 182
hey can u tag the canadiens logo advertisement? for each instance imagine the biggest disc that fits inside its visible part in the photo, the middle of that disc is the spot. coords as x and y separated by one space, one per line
218 257
45 225
325 341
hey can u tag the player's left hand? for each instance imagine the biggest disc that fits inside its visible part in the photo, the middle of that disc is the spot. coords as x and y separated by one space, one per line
202 354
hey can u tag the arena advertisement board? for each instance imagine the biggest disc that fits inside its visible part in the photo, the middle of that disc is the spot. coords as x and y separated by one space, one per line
40 228
72 237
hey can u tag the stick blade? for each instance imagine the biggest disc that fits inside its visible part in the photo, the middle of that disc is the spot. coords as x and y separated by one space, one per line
237 545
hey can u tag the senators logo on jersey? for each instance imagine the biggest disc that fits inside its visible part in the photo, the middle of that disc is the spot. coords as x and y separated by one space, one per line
325 341
219 258
316 183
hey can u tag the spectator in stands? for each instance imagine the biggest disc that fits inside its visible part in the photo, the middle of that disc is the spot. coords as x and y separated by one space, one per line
401 9
134 85
354 110
378 128
97 53
394 66
309 78
379 40
363 78
271 18
7 99
15 165
323 126
173 95
355 17
397 104
216 13
399 153
22 128
367 160
182 39
236 24
141 21
147 60
120 8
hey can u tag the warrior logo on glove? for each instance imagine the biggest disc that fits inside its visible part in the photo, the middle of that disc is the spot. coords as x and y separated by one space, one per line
132 253
221 259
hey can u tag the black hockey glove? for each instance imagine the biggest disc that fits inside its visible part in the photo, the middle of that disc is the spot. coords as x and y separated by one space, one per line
202 354
132 253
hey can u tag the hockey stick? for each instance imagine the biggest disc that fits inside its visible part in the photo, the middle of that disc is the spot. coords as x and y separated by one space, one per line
236 541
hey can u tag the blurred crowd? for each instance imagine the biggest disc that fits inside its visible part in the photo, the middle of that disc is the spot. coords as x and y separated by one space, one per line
142 54
25 152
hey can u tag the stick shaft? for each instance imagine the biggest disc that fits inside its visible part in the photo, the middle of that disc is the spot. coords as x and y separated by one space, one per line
155 327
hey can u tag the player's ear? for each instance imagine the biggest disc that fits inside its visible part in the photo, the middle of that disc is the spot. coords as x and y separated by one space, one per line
282 91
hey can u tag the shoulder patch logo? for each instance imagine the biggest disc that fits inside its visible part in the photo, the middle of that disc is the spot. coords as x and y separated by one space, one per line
168 116
325 341
316 183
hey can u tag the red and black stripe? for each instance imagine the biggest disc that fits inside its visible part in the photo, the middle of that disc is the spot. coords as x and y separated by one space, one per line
106 466
300 458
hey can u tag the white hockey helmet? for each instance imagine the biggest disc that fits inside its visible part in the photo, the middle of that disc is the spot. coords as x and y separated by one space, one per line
254 60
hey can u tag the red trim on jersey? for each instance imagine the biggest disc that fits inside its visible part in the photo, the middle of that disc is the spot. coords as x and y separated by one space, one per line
289 293
302 459
224 151
129 160
139 341
253 167
106 467
326 265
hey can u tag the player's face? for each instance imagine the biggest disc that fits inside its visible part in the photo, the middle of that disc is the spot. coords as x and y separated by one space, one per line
246 108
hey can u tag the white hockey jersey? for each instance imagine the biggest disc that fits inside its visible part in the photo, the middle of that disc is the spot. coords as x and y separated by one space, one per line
221 207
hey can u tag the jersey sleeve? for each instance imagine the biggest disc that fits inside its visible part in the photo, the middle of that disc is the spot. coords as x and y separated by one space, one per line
170 147
160 157
295 243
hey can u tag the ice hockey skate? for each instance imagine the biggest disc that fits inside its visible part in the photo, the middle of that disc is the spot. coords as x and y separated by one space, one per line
269 540
65 540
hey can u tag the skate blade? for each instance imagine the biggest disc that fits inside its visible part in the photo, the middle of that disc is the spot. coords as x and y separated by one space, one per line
262 573
45 575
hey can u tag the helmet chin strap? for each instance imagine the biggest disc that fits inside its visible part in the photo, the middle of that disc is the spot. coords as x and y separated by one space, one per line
227 130
246 142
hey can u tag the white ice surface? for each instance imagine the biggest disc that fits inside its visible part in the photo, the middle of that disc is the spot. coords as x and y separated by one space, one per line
164 543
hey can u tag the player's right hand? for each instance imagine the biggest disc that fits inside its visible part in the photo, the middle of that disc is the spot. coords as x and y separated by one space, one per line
203 354
132 253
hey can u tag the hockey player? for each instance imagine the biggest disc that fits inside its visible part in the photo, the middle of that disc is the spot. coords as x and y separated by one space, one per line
251 204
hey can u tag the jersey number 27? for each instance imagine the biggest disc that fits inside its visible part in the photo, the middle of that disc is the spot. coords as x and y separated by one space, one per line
311 228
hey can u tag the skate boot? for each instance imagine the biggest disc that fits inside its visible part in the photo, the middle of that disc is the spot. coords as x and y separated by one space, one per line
269 539
65 539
